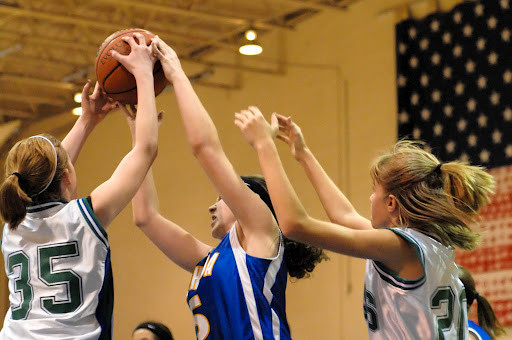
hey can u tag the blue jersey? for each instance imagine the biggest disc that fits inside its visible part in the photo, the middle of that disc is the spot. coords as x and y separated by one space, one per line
234 295
478 331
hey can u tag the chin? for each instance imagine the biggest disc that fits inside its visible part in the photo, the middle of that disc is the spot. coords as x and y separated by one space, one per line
218 234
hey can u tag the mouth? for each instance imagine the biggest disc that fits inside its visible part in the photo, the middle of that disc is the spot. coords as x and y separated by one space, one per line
214 219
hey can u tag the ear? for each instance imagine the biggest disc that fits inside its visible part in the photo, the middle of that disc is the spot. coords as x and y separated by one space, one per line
392 204
66 178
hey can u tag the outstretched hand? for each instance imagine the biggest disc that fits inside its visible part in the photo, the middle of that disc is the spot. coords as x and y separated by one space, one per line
97 105
292 135
254 127
168 57
140 59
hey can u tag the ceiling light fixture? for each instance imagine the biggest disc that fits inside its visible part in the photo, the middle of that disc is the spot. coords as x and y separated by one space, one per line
78 97
77 111
250 46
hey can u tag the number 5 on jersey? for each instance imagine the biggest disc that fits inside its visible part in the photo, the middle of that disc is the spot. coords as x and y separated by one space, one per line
46 255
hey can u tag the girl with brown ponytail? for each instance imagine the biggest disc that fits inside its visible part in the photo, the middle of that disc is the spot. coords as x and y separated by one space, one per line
488 326
55 245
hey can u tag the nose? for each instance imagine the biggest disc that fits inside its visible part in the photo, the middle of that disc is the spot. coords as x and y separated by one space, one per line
212 208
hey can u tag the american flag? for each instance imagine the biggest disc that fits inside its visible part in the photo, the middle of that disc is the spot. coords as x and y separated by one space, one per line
454 79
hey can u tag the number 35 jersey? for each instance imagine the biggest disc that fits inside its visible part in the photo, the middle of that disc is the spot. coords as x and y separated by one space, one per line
60 279
430 307
237 296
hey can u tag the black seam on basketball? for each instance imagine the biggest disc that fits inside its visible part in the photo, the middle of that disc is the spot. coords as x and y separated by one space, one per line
106 77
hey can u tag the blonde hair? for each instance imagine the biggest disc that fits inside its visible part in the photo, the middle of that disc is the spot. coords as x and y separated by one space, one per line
32 174
441 199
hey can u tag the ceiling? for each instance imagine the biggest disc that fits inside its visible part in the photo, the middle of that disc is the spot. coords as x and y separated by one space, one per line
48 47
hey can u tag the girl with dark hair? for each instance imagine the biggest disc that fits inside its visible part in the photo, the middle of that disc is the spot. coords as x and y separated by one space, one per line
420 210
488 326
55 246
238 287
151 330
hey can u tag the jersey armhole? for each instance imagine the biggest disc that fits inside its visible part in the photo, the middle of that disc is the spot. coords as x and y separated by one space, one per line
85 206
395 280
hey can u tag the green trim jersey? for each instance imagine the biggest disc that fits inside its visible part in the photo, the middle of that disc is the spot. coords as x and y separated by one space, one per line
430 307
60 280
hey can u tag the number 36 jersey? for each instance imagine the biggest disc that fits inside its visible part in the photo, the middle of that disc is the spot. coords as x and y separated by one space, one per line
60 279
430 307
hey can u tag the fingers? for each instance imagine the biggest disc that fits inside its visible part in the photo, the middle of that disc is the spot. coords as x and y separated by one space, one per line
284 138
241 117
274 124
133 110
86 89
155 48
255 111
117 56
97 90
141 40
126 112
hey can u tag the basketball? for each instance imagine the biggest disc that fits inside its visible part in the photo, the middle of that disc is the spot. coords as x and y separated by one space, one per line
117 82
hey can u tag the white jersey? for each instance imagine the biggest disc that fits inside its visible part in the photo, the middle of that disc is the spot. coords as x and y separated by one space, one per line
60 279
431 307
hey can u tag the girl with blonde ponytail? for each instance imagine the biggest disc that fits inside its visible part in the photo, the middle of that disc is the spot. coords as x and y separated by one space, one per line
420 210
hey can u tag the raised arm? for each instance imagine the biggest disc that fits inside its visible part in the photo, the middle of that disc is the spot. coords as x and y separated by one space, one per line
377 244
94 108
176 243
112 196
251 212
336 204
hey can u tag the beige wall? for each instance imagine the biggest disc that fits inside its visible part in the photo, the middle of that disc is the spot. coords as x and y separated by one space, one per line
339 86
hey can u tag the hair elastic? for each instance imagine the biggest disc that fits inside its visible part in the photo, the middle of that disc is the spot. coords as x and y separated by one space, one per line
54 168
17 174
437 169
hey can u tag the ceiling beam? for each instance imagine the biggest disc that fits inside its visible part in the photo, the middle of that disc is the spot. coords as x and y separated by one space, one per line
73 20
17 114
38 82
237 21
316 5
31 99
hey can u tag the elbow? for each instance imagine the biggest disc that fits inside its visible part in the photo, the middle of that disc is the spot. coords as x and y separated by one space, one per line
293 227
204 149
139 222
143 219
197 147
151 150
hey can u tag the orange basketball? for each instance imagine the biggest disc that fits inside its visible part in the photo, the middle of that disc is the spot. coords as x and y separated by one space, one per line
117 82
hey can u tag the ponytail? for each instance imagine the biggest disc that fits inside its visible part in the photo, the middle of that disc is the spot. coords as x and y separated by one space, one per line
487 319
13 201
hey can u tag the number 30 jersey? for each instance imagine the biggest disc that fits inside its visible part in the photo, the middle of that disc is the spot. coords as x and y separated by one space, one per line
237 296
431 307
60 279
